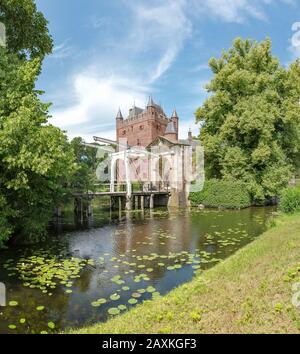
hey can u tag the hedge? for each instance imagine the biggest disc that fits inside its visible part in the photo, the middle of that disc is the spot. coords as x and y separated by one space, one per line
222 193
290 200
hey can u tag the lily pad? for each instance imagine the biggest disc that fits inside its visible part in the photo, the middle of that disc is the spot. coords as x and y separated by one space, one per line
150 289
136 295
132 301
113 311
122 307
102 301
40 308
115 297
13 303
51 325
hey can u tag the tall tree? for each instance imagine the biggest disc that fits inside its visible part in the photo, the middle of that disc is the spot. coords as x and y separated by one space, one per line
250 122
27 32
36 160
86 158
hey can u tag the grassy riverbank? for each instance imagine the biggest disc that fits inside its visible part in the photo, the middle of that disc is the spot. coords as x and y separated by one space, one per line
249 292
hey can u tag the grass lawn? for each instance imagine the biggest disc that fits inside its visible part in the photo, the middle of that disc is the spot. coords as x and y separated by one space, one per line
250 292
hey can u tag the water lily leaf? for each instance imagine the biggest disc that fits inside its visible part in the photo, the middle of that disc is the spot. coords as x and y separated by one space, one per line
170 268
122 307
22 320
113 311
51 325
12 326
13 303
136 295
115 297
132 301
40 308
102 301
150 289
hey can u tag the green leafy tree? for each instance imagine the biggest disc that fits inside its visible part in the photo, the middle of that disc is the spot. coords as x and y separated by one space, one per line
36 160
27 32
250 122
86 158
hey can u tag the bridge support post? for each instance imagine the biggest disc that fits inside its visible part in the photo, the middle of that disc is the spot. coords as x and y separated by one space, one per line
152 201
128 202
78 206
142 202
89 208
120 204
136 202
58 212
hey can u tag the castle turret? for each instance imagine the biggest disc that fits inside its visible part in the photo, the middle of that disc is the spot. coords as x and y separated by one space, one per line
150 102
175 120
119 117
170 132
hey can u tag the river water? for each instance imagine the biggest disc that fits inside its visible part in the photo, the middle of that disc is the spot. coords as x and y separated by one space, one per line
85 273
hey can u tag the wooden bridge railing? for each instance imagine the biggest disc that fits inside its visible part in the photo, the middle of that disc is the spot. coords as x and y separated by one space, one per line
136 187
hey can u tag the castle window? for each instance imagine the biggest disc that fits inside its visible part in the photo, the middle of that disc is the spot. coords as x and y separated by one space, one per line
141 127
124 132
138 142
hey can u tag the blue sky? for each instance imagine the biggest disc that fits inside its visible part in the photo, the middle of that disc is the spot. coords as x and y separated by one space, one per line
110 53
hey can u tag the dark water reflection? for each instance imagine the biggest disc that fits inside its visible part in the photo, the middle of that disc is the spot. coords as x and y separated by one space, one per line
152 252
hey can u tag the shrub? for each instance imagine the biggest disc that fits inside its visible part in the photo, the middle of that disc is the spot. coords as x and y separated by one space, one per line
290 200
5 228
222 193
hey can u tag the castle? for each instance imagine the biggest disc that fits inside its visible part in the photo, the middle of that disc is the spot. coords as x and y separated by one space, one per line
143 126
170 165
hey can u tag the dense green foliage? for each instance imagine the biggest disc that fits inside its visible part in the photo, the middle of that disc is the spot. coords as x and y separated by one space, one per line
26 28
250 122
36 160
86 158
290 200
220 193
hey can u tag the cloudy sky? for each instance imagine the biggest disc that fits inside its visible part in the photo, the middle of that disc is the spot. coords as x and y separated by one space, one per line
114 53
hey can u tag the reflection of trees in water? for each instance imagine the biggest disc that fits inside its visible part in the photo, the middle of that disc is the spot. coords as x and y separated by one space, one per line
83 283
189 228
56 308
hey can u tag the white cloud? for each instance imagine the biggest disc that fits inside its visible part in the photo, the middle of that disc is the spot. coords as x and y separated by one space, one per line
97 102
236 11
148 47
294 52
185 126
161 28
201 67
62 50
99 22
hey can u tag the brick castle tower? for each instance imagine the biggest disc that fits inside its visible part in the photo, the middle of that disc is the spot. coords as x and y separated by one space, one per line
143 126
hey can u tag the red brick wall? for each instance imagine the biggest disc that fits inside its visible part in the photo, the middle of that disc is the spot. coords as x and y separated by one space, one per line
143 129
